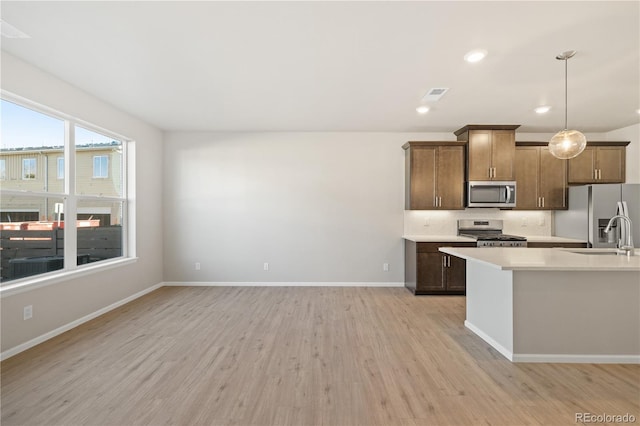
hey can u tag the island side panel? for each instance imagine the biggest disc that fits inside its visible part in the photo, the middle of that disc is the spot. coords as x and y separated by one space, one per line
410 265
576 316
490 305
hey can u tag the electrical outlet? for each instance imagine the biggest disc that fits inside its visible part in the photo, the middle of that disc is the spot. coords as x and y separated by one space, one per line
524 222
266 266
541 221
197 266
27 312
385 267
427 222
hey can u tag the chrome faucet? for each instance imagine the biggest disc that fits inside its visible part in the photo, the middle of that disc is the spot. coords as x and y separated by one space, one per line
627 246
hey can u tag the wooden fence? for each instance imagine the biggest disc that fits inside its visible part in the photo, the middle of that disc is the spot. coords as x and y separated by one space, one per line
46 247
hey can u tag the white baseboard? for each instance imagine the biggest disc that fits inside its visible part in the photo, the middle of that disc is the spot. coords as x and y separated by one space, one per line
497 346
280 284
37 340
578 358
554 358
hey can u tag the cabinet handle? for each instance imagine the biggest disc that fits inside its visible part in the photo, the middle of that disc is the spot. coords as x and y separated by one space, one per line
538 205
490 172
542 202
599 174
449 261
444 261
494 172
439 201
435 201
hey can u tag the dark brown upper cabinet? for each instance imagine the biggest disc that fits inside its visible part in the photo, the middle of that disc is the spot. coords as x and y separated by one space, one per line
541 178
434 175
600 162
491 151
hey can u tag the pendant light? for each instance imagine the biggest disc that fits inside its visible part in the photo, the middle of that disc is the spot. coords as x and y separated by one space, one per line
567 143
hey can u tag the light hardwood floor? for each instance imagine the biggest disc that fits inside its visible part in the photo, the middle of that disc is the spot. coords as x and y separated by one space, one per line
296 356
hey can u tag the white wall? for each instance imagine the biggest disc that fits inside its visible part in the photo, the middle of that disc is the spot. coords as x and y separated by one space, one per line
62 303
318 207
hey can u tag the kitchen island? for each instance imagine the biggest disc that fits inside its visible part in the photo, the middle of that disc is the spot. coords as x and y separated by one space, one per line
554 305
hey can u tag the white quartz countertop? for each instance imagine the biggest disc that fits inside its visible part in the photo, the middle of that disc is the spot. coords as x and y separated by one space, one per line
438 239
547 259
457 238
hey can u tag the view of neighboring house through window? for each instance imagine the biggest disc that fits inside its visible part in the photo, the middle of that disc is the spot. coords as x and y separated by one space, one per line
29 168
101 166
41 202
60 168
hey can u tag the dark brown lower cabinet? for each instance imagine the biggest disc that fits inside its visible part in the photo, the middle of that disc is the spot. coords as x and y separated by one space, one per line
428 271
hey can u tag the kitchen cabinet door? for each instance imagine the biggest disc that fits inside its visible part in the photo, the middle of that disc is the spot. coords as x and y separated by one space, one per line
422 183
553 181
541 179
450 177
430 273
503 150
610 162
434 175
491 154
527 164
456 274
582 169
602 162
479 159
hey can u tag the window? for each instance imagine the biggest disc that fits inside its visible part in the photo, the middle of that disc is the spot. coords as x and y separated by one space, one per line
3 169
29 168
101 166
60 173
39 212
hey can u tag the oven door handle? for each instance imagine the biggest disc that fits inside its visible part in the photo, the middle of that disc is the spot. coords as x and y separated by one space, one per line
508 188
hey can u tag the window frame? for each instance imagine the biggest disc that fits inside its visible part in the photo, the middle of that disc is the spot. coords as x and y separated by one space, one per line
71 197
106 167
58 174
35 168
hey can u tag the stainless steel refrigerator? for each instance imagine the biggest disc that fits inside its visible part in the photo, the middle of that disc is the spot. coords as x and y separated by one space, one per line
591 207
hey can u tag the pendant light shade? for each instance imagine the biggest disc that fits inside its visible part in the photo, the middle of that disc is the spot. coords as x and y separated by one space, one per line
567 143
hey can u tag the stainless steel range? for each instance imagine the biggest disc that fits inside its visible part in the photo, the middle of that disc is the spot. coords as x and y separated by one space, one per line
488 233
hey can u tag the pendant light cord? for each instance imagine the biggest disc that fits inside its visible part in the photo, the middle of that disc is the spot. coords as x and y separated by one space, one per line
566 90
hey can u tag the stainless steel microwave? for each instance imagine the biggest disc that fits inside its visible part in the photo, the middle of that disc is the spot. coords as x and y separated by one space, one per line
501 194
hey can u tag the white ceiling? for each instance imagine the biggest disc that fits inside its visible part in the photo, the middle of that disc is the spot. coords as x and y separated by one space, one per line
341 66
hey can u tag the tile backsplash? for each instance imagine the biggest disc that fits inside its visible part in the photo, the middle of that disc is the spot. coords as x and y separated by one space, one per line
445 222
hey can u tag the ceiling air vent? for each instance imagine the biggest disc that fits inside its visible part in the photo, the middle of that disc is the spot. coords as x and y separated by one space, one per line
435 94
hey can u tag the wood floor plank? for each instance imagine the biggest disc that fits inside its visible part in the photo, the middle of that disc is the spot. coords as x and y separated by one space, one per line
296 356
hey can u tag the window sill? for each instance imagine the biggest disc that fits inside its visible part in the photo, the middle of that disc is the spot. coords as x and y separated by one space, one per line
31 283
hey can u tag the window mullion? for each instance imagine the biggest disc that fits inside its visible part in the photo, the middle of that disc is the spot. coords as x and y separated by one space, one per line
71 201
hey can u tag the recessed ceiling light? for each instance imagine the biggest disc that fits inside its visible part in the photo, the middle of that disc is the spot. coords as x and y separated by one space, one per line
475 55
9 31
542 109
422 109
